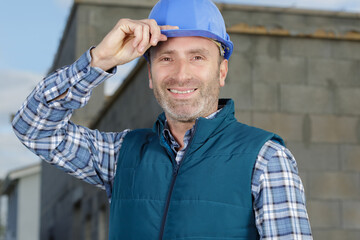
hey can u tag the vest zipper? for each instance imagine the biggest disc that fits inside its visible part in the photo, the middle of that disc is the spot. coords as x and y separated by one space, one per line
175 173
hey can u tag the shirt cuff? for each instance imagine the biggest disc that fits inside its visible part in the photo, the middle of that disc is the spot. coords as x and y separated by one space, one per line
77 79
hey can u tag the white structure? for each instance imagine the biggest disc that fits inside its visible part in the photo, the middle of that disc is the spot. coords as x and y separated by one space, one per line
22 186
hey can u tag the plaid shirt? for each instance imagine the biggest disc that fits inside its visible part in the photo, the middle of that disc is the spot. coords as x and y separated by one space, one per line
44 127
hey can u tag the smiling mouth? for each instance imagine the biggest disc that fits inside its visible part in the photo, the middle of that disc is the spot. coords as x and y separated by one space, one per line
182 92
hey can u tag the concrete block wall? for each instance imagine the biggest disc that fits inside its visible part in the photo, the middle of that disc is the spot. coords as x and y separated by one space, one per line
306 89
296 73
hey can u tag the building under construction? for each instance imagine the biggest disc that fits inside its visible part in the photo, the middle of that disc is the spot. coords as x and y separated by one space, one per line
293 72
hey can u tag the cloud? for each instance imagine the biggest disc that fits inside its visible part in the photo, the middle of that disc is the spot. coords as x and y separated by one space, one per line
15 87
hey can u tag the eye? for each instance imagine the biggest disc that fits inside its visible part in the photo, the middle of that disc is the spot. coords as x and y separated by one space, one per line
198 57
165 59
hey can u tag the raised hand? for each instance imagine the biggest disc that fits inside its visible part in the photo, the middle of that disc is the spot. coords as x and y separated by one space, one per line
128 40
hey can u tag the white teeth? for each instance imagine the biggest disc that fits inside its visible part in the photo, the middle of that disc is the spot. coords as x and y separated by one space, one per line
181 92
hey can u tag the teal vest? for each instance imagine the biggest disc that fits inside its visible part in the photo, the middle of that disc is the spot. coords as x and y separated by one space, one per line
207 197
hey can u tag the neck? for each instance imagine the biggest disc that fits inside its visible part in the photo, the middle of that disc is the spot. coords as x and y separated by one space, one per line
178 130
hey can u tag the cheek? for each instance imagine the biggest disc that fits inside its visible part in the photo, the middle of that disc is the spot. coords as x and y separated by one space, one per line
155 77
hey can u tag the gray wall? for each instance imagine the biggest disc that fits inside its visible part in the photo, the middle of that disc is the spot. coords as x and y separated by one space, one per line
28 223
307 89
293 72
70 208
67 204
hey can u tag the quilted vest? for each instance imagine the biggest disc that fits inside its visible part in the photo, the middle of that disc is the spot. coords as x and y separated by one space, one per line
207 196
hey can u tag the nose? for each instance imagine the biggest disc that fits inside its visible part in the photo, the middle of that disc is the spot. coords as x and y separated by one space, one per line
182 70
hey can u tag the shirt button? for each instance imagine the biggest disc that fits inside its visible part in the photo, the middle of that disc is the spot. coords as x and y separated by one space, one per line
85 70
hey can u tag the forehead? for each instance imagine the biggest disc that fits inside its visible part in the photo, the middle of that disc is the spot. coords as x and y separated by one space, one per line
187 44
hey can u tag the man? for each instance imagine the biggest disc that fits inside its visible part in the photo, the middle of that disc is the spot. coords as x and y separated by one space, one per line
198 174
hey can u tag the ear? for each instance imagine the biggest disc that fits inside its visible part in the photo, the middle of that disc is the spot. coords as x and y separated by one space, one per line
149 75
223 71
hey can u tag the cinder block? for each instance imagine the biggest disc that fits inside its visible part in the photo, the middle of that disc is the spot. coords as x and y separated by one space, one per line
239 70
240 92
284 70
267 46
238 84
350 157
242 44
348 100
346 50
351 215
243 117
335 234
303 177
324 214
306 47
265 97
333 129
251 47
336 71
316 157
305 99
333 185
288 126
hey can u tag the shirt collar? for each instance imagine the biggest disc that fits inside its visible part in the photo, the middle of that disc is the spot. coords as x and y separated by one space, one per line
188 135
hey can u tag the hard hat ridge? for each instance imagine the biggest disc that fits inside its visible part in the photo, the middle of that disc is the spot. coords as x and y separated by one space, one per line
194 18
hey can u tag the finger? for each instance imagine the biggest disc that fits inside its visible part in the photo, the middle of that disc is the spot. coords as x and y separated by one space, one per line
145 38
155 32
168 27
138 33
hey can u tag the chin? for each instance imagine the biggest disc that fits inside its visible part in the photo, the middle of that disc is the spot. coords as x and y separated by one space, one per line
184 116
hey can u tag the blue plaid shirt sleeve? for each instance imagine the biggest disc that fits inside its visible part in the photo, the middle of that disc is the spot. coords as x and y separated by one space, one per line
44 126
279 198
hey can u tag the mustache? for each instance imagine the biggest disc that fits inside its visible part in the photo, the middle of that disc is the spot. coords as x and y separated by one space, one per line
181 83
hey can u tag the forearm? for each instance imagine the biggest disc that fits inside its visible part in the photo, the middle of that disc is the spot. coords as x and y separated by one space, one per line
42 124
42 113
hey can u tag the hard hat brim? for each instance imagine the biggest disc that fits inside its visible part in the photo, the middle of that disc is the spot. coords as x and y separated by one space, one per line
200 33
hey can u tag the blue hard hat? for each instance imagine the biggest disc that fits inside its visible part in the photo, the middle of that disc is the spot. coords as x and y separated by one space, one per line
194 18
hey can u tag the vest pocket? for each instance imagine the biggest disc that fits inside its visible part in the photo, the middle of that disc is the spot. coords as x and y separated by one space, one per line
126 182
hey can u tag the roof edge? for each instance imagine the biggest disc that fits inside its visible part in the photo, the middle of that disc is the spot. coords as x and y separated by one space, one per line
14 175
290 10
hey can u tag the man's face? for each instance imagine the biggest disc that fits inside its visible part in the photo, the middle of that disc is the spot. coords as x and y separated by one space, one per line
186 74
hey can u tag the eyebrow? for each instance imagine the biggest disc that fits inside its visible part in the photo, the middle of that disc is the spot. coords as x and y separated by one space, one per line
166 52
199 50
191 51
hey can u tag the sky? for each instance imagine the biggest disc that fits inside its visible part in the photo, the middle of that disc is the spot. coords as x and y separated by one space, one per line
30 35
